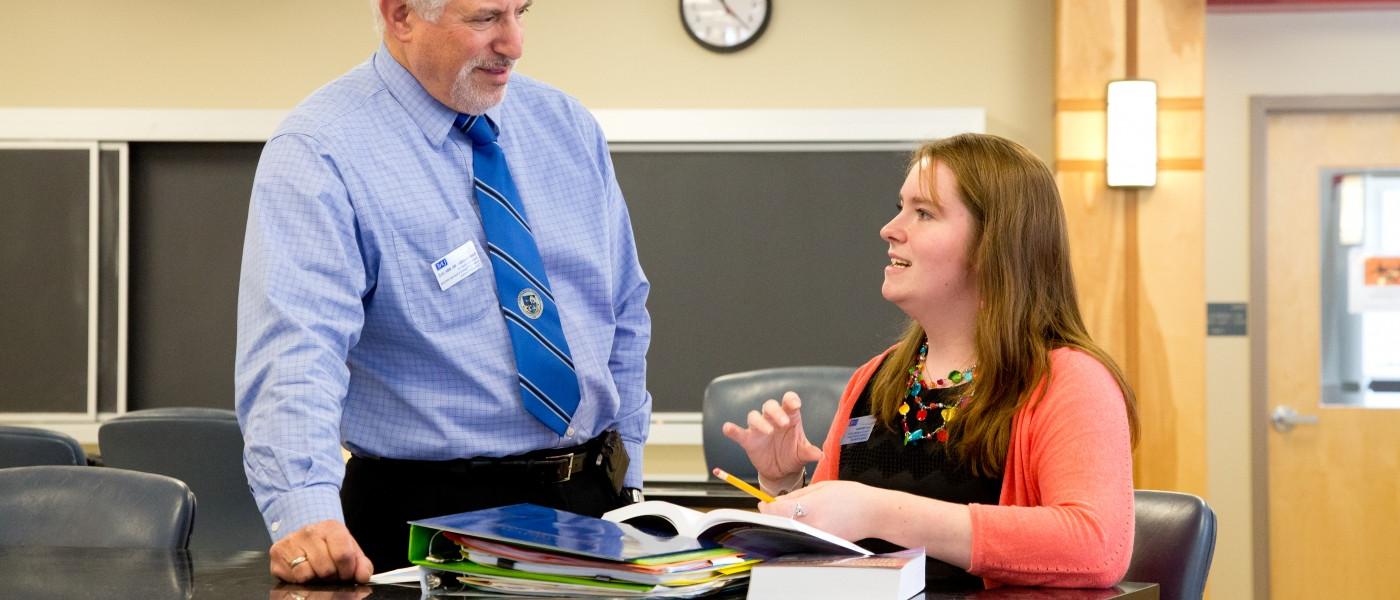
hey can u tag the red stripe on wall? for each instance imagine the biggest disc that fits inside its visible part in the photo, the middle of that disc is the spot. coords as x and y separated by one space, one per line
1298 5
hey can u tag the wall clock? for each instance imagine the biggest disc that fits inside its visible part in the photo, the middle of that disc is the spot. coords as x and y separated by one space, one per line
725 25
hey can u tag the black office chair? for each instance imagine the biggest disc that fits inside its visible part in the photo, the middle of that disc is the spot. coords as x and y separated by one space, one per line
1173 544
28 446
731 397
93 507
202 447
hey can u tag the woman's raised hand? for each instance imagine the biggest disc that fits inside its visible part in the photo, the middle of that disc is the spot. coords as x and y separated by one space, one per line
774 440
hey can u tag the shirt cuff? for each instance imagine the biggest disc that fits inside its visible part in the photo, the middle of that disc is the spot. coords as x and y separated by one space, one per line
294 510
634 465
789 484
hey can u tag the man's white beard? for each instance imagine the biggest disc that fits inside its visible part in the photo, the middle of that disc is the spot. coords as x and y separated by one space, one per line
468 98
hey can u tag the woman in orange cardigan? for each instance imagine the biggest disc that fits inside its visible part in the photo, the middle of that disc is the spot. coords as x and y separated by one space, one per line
995 434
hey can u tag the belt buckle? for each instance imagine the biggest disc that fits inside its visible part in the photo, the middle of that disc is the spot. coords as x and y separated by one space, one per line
566 466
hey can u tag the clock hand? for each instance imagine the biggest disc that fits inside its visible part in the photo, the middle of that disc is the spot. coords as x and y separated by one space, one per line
725 4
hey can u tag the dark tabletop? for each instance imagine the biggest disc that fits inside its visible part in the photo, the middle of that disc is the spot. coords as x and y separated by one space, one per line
49 572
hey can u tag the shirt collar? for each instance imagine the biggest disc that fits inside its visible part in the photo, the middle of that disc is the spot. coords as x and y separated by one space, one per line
433 117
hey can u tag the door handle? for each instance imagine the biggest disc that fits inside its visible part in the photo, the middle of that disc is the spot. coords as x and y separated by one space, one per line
1285 419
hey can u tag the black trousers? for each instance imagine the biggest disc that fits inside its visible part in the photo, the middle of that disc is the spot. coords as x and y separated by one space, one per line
380 496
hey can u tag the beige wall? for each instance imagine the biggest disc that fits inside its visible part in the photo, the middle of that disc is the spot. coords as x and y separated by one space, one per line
1249 55
177 54
609 53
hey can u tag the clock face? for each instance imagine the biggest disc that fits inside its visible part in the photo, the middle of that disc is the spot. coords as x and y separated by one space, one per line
725 25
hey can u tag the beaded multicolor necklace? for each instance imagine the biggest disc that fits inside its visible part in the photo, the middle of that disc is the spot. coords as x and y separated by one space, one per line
915 407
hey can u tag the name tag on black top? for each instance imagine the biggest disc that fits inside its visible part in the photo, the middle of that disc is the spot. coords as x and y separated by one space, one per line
858 430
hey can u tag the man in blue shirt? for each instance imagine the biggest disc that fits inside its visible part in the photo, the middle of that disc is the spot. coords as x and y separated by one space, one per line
368 312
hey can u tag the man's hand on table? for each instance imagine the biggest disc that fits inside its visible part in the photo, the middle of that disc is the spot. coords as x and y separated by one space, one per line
324 551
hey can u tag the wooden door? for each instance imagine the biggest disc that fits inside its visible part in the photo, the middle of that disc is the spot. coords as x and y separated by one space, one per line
1334 486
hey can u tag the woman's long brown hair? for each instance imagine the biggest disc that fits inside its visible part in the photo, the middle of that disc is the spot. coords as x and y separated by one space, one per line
1019 256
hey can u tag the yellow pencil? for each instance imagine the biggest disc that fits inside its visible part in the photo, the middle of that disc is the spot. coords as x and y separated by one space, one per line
741 484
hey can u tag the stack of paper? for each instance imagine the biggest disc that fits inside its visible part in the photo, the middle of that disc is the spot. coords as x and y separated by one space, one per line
529 549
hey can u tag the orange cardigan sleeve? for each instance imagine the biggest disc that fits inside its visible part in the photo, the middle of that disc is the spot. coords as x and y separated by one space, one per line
1065 517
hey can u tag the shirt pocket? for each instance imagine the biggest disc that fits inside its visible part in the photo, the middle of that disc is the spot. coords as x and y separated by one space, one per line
433 308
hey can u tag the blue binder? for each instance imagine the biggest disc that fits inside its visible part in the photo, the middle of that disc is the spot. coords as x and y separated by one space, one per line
549 529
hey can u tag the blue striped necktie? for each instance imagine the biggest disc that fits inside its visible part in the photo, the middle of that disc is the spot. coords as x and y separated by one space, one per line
548 386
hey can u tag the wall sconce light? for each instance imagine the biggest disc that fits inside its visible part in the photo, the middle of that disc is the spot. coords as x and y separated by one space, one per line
1132 133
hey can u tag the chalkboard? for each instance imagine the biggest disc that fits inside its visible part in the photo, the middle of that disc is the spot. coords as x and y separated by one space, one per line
44 279
756 259
760 259
189 207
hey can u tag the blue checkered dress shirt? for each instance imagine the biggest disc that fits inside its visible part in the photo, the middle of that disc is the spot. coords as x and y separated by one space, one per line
344 335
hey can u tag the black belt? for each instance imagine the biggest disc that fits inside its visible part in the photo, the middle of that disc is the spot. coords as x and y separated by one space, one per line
551 465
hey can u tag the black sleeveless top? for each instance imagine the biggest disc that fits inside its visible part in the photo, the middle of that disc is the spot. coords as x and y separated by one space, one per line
926 468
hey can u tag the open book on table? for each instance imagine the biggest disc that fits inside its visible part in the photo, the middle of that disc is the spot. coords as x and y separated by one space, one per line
753 533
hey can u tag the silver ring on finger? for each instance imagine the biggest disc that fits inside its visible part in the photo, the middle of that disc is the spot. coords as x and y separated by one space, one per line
296 561
798 512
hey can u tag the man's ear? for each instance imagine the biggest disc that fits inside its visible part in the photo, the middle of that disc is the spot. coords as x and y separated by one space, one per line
398 19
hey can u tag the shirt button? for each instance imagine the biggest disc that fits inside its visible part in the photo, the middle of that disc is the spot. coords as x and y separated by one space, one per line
569 432
275 526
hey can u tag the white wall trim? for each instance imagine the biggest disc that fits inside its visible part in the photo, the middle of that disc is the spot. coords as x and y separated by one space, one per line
30 144
675 429
619 125
788 125
667 428
139 124
94 279
123 151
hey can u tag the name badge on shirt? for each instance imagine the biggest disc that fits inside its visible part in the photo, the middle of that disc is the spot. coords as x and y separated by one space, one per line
457 265
858 430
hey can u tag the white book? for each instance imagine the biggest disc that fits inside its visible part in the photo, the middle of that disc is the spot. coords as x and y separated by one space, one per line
893 576
757 534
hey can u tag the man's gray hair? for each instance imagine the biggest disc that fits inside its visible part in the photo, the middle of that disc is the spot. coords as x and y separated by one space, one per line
429 10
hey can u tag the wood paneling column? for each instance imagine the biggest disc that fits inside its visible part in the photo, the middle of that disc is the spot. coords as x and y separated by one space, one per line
1139 255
